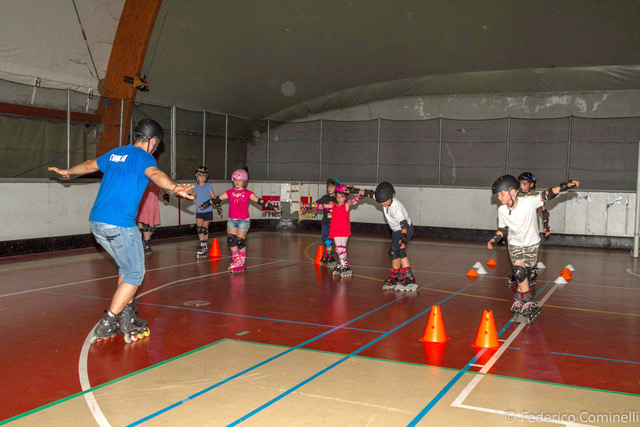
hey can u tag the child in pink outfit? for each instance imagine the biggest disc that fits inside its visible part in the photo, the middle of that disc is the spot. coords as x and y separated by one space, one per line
238 222
340 227
149 214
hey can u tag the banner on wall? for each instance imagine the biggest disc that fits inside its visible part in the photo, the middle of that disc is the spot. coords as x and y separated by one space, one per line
268 213
275 200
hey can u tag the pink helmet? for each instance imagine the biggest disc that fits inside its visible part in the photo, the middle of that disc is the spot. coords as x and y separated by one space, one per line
240 174
341 188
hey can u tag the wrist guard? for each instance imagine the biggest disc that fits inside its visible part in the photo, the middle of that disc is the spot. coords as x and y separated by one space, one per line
403 238
503 234
549 194
354 189
165 196
566 185
265 204
214 201
369 193
545 219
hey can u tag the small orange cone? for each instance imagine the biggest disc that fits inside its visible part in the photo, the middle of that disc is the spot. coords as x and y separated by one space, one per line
566 276
434 332
492 263
472 273
566 271
487 336
319 254
215 249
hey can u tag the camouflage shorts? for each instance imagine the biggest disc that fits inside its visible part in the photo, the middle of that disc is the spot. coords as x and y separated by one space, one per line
526 254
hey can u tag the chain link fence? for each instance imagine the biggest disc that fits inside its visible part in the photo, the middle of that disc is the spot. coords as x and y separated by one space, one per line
471 153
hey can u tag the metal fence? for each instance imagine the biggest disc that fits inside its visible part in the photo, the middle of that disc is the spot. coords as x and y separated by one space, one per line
602 153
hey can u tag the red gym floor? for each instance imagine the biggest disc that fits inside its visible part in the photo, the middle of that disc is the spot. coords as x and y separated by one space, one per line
288 343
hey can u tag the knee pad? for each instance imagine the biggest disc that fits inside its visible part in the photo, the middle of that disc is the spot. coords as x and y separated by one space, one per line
533 273
145 227
232 240
241 244
394 254
202 230
520 274
152 229
327 243
402 254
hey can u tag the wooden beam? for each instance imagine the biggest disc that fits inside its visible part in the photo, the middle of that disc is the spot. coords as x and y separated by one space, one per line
127 57
47 113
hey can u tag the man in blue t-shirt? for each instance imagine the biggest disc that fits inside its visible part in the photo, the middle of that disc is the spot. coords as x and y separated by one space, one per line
127 171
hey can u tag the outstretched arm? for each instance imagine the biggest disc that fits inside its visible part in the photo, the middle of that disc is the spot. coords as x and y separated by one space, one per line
264 203
354 201
554 191
162 180
363 193
83 168
316 206
218 208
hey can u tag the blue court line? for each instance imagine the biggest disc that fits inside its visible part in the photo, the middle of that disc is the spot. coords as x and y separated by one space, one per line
219 313
161 411
459 375
328 368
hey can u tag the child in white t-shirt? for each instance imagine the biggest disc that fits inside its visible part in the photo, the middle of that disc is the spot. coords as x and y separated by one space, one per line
518 222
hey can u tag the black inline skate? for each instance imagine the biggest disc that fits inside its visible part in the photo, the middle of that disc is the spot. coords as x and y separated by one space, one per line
146 244
331 261
108 326
392 281
202 250
516 307
408 281
345 269
133 328
325 259
530 309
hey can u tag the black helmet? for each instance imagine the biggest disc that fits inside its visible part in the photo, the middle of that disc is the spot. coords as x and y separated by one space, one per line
203 170
505 183
148 128
333 181
528 176
384 192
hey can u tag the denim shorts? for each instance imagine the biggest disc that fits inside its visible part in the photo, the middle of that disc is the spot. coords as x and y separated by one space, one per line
124 244
205 216
240 224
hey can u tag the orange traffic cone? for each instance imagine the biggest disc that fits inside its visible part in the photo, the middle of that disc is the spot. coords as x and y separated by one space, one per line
487 336
434 332
472 273
319 254
214 252
492 263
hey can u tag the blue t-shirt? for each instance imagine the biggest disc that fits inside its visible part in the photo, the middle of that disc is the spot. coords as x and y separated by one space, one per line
202 195
122 185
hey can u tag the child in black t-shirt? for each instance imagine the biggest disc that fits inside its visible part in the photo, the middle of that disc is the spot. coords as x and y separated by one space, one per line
328 258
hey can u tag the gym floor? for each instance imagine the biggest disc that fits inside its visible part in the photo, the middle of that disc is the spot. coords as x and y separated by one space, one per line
288 343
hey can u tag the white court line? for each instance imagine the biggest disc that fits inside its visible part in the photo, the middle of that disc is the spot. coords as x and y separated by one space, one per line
512 414
631 272
477 378
83 372
88 280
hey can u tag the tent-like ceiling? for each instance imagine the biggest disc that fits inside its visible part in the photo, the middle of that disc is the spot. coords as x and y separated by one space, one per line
286 59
